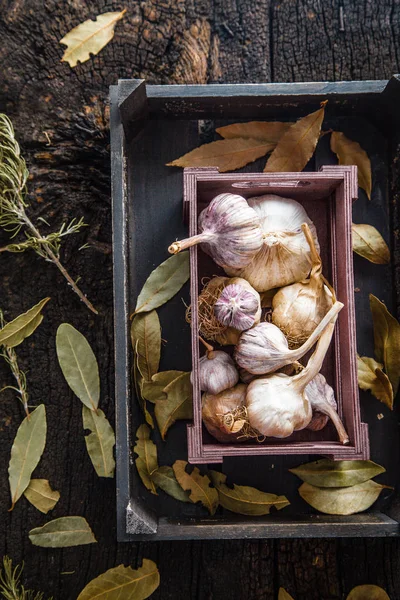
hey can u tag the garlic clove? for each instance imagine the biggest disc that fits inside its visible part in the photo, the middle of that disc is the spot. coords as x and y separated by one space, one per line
230 232
285 254
322 399
238 305
217 371
277 405
222 413
264 348
299 308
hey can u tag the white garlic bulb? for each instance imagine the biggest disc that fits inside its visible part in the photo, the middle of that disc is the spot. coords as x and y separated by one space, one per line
285 255
299 308
229 231
221 413
264 348
238 305
277 405
322 399
217 371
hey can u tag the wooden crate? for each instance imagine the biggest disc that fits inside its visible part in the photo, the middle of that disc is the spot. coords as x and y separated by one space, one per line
327 197
152 125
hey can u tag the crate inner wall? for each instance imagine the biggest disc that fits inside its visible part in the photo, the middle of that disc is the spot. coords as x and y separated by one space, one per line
155 219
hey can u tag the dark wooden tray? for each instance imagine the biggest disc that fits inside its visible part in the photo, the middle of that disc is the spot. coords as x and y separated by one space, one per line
151 125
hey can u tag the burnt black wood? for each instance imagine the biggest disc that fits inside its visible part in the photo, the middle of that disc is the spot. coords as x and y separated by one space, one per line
259 41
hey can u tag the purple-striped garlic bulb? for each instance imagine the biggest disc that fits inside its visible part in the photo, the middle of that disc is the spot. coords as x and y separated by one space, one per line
229 231
238 305
217 371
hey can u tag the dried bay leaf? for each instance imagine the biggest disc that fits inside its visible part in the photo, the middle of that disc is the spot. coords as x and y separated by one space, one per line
40 494
146 338
387 340
368 243
297 145
146 462
371 377
341 500
164 282
26 451
198 486
351 153
153 390
23 326
367 592
337 473
78 364
245 500
89 37
62 533
100 442
177 405
227 155
283 594
164 478
270 132
138 379
123 583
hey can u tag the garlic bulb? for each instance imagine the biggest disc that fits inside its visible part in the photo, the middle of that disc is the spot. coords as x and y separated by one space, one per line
238 305
264 348
285 255
277 405
290 369
322 399
298 308
222 413
230 232
217 371
209 325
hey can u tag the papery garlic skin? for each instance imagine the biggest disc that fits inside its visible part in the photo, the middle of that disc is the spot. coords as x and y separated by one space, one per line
285 255
216 409
299 308
239 305
229 231
322 400
217 372
316 388
273 409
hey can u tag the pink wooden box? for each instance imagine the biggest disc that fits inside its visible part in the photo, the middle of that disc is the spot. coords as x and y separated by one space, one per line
327 197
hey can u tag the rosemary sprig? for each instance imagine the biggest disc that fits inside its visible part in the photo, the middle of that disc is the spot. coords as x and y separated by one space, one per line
10 356
13 178
11 587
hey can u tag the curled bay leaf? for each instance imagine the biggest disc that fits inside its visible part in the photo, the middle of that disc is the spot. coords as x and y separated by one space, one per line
341 500
270 132
23 326
62 533
90 37
387 340
198 486
146 461
177 405
368 243
367 592
153 390
283 594
164 478
40 494
100 442
123 583
78 364
139 381
228 155
371 377
351 153
26 451
337 473
245 500
146 339
164 282
297 145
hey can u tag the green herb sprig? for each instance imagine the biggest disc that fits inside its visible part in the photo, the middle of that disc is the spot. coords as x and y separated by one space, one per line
10 356
10 583
13 217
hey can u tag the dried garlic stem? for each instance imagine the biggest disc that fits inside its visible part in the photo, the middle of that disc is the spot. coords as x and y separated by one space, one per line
188 242
330 316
